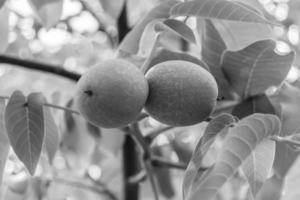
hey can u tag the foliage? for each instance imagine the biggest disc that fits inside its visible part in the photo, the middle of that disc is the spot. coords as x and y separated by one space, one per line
247 149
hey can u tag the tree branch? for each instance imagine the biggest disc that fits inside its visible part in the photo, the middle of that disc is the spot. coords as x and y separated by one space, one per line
101 191
130 168
146 153
30 64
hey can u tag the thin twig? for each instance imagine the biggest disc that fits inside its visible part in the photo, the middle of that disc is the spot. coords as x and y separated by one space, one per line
161 162
138 137
151 136
149 171
103 186
137 178
136 133
62 108
52 106
287 140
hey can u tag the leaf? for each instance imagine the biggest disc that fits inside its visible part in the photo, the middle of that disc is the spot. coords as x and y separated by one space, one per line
255 104
48 12
162 55
285 157
239 143
272 189
288 98
291 181
2 3
255 5
130 43
258 165
212 130
177 27
218 9
4 28
52 135
149 41
252 70
4 143
213 48
25 127
183 151
240 35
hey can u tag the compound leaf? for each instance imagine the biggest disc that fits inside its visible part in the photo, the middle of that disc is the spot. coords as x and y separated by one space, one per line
214 128
239 143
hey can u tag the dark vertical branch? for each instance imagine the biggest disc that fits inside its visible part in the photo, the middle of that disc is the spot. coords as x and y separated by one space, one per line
130 155
131 168
122 23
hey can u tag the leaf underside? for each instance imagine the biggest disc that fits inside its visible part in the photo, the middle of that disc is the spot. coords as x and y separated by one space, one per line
24 121
212 130
239 143
258 165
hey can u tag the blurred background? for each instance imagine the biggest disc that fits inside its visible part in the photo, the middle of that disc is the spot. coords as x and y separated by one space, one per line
88 166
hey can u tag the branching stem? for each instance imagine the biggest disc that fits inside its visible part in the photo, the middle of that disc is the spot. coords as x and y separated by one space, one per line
101 191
